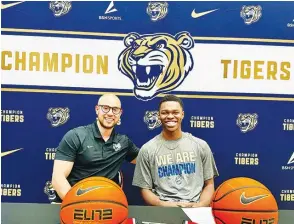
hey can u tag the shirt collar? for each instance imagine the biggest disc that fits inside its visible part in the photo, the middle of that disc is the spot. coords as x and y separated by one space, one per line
97 133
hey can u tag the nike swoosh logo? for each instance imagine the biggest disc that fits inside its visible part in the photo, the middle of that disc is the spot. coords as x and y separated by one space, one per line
81 191
8 5
247 200
9 152
197 15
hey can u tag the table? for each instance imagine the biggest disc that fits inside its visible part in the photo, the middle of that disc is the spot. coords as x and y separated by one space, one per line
24 213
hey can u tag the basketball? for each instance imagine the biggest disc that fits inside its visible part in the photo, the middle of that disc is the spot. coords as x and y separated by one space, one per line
94 200
244 200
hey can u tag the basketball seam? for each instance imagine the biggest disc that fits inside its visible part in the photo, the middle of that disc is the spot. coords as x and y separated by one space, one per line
123 220
232 210
105 180
236 190
93 201
62 221
219 188
219 220
94 179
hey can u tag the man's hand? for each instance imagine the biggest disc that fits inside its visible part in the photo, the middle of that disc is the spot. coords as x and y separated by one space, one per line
177 204
196 205
190 204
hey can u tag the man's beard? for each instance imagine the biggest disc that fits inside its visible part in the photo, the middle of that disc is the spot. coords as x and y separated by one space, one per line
106 127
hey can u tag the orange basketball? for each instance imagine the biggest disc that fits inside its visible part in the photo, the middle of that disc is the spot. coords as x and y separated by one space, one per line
94 200
244 200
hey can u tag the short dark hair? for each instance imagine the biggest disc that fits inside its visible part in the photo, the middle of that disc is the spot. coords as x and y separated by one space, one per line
174 98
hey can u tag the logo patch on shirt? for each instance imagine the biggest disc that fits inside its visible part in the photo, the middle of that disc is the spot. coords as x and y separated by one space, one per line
116 147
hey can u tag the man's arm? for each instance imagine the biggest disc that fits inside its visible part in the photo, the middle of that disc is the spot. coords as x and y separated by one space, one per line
132 152
61 170
209 173
206 194
64 161
151 199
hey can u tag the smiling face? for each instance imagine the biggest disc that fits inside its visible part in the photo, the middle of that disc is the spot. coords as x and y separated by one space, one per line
108 111
171 115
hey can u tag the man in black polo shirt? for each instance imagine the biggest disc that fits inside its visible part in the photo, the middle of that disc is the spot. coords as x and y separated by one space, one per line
93 150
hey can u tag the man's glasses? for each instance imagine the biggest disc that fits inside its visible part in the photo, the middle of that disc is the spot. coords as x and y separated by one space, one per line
106 109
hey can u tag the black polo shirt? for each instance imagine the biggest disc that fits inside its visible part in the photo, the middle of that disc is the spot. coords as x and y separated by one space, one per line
92 156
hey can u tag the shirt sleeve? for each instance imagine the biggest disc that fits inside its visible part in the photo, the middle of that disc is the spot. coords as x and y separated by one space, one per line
133 151
208 162
142 175
68 147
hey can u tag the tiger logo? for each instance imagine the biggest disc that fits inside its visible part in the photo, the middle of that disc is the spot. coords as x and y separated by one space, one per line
50 192
152 120
60 8
251 14
58 116
247 122
156 63
157 10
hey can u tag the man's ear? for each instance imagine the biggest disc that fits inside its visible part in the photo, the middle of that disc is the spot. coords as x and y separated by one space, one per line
97 110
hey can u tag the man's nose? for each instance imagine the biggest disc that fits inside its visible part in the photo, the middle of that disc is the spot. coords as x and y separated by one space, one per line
110 112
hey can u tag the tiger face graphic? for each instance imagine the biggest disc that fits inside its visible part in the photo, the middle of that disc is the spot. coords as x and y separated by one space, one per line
247 122
60 8
156 63
58 116
157 10
251 14
152 120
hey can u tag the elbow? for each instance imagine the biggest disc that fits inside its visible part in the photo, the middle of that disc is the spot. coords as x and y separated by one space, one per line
145 199
149 198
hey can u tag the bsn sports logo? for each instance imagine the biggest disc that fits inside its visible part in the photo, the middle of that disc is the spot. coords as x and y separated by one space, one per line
156 63
58 116
110 9
290 164
291 24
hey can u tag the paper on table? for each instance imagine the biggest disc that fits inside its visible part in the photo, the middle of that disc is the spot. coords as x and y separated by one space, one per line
200 215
